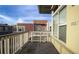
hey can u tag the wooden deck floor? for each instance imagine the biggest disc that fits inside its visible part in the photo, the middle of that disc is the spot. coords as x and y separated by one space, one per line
38 48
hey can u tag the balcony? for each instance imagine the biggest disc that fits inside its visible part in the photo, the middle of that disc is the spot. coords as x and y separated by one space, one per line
35 42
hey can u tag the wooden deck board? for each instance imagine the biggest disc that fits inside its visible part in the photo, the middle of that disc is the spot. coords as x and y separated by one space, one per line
38 48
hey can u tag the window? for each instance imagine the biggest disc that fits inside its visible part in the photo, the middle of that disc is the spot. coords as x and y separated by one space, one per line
0 29
55 23
62 17
20 30
62 24
59 25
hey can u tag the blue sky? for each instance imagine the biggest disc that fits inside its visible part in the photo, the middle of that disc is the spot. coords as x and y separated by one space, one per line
13 14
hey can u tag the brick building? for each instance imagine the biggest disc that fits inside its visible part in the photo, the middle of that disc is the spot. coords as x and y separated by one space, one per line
25 27
40 25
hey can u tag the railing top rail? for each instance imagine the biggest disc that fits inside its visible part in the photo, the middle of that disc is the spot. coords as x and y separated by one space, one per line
41 31
15 33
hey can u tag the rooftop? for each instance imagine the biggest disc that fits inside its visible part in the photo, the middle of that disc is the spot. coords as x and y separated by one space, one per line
40 21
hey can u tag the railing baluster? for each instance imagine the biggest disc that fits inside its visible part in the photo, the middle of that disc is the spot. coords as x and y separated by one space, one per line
47 37
1 47
24 38
16 43
13 45
5 46
3 51
43 36
31 36
8 46
20 40
40 37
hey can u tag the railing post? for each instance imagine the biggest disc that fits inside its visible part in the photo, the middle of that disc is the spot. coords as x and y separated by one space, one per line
40 37
8 49
24 38
10 44
31 36
20 40
5 46
1 47
47 37
13 42
16 43
13 45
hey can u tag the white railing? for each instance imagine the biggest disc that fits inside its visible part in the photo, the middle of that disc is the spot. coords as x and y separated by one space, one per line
11 43
40 36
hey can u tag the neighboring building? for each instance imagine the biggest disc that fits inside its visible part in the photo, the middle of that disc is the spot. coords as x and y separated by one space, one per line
65 28
29 27
20 27
5 29
40 25
37 25
24 27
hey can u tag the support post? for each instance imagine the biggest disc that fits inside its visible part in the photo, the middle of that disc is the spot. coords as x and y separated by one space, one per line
40 37
13 45
8 46
5 46
31 36
1 47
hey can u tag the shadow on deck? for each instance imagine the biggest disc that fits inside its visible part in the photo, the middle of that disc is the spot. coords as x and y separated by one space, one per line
38 48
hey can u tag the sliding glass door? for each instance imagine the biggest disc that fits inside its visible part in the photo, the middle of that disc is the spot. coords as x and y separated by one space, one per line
59 24
55 25
62 24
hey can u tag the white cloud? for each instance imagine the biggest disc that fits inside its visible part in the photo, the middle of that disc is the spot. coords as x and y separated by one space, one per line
29 19
36 18
7 19
19 21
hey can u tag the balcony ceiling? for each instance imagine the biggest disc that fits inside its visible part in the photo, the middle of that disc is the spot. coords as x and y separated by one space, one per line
44 9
